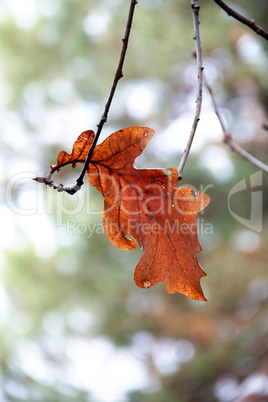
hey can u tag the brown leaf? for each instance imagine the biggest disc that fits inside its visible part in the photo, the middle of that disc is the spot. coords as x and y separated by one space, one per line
79 153
143 204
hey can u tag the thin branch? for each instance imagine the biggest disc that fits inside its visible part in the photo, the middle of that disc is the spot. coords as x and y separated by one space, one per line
59 187
228 137
118 74
195 8
250 23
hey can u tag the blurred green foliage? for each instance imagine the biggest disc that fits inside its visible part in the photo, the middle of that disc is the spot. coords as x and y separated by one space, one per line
76 287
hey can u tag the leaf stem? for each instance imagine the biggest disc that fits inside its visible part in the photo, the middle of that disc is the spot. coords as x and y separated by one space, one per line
228 137
250 23
195 8
118 75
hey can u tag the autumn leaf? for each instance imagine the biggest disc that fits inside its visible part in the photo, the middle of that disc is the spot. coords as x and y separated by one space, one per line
79 153
145 205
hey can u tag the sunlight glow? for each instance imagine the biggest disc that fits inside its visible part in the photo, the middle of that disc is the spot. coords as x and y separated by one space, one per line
97 362
141 98
95 24
25 12
217 160
246 240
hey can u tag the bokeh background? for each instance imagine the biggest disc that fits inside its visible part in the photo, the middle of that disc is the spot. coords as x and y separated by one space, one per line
74 327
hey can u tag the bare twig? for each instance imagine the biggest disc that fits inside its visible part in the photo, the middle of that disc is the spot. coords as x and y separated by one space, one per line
195 8
250 23
118 74
59 187
228 137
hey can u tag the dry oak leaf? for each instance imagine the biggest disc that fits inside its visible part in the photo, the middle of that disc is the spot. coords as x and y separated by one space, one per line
79 153
143 204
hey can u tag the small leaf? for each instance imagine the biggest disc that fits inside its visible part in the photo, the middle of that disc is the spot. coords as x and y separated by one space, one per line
79 153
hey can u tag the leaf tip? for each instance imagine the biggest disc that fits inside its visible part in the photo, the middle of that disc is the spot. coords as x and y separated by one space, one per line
203 298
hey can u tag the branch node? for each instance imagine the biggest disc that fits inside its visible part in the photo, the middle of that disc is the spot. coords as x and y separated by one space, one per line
227 138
